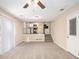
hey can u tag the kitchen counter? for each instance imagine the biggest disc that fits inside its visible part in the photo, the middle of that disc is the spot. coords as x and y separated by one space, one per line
34 37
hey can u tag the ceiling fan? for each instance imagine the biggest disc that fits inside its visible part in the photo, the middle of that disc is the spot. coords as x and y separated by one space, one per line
35 2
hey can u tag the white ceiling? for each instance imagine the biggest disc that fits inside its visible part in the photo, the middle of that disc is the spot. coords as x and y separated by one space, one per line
33 13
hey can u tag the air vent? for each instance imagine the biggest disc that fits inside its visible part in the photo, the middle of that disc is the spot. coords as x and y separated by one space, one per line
62 9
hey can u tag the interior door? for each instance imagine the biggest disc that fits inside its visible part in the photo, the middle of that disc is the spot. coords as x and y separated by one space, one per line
72 35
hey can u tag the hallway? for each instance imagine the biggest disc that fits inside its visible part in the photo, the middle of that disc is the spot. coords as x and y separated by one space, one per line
43 50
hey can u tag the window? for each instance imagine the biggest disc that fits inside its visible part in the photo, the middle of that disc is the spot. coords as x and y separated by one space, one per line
73 26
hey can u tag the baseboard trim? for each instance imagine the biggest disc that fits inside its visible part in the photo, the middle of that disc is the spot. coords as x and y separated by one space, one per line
19 43
67 51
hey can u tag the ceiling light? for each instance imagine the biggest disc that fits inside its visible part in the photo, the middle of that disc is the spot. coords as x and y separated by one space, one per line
35 2
36 17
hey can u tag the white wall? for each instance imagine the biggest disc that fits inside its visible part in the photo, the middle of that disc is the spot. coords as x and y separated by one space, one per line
59 27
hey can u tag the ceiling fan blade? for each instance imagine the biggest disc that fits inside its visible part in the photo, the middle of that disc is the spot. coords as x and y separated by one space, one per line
41 5
26 5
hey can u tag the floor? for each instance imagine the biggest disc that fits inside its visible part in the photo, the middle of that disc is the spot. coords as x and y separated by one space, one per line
43 50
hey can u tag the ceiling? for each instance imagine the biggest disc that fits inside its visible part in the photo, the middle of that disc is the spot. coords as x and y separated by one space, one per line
35 13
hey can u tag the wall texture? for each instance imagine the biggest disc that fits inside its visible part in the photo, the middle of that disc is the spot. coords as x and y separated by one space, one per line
18 26
59 27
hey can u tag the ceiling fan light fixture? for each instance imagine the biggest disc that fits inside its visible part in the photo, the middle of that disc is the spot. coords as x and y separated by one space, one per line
26 5
41 5
36 1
